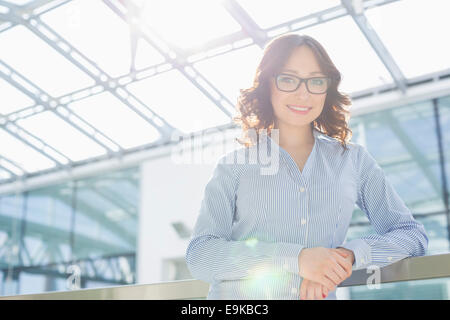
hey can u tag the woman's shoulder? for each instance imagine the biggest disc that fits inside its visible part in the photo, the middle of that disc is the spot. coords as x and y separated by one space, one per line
333 143
240 162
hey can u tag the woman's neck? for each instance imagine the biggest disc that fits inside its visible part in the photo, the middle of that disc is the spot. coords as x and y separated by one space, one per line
294 137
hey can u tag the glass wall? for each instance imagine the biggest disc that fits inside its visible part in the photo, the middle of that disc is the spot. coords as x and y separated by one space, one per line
79 234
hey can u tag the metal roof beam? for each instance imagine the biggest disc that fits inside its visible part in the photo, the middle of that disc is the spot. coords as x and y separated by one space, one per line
174 56
34 9
5 163
48 103
249 26
41 30
355 9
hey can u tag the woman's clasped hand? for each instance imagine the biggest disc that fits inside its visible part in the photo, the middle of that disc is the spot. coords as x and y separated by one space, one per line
322 270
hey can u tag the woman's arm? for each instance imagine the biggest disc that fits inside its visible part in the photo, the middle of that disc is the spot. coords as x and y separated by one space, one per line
212 255
399 235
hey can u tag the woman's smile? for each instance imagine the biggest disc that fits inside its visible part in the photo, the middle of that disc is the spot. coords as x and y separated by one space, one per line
299 109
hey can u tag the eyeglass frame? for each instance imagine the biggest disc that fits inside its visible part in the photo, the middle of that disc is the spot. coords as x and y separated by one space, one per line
301 80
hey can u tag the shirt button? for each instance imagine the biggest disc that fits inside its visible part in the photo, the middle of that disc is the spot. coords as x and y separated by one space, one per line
303 221
389 258
285 266
302 189
294 290
362 261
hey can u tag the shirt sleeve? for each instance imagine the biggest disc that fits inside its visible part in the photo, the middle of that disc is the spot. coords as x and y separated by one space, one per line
212 255
398 234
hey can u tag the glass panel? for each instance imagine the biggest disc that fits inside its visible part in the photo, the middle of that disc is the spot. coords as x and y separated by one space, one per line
146 55
32 283
11 212
436 228
271 13
444 121
350 54
181 104
425 21
409 153
12 99
61 136
429 289
48 225
243 62
44 279
122 124
4 175
105 229
46 68
201 21
78 23
23 155
106 219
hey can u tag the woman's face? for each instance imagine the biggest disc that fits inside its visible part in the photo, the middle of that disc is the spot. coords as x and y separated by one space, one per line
302 63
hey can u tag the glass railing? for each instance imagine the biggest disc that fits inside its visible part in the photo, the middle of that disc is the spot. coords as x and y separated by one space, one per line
429 274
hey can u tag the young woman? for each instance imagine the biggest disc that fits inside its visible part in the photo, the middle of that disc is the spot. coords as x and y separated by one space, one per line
281 234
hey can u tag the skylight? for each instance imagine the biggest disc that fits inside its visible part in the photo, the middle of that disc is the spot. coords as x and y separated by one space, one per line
107 43
179 102
116 120
45 67
62 136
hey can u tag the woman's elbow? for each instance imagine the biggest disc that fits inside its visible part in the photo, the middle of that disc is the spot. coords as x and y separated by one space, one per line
422 242
195 263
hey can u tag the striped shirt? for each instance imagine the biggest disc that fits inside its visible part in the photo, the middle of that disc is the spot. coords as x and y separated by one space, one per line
257 215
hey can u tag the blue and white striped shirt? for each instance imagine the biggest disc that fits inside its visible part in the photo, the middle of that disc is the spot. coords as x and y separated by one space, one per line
256 218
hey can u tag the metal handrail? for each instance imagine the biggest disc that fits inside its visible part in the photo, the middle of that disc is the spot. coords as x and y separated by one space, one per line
408 269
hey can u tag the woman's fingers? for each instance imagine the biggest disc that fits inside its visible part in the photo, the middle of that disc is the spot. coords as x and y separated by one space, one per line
326 282
310 290
310 293
342 274
303 289
324 292
333 276
343 262
318 292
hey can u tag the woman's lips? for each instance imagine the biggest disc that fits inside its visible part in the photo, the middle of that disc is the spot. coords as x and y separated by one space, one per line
298 111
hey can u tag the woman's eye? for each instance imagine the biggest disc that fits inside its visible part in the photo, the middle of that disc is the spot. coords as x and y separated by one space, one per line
287 79
318 82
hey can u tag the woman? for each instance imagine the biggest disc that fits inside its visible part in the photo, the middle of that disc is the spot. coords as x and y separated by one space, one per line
281 234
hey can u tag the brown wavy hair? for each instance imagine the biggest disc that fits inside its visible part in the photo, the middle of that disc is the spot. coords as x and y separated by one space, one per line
255 110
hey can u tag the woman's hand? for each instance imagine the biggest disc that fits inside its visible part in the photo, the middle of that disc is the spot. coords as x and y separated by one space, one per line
310 290
346 254
328 267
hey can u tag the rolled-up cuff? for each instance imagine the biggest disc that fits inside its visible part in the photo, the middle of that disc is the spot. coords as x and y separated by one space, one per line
361 251
285 257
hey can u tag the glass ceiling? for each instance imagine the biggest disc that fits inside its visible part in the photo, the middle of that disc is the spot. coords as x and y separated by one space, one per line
81 79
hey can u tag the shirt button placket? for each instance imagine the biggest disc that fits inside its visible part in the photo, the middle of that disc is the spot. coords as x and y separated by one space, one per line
303 221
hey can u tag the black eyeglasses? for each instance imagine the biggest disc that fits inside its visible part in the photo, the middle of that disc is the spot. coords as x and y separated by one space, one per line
290 83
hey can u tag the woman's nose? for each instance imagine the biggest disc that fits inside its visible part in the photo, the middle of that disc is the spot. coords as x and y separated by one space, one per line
302 90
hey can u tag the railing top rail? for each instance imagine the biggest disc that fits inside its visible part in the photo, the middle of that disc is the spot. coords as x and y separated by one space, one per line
408 269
